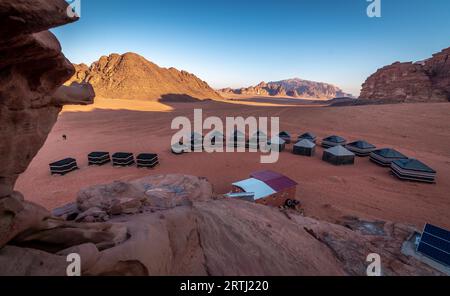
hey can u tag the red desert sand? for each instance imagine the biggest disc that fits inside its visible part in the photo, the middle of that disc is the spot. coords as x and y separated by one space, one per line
327 192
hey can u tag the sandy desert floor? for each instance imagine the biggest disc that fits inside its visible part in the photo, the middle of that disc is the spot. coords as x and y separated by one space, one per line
327 192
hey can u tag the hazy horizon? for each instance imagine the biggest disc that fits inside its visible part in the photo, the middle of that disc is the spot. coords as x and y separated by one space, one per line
234 44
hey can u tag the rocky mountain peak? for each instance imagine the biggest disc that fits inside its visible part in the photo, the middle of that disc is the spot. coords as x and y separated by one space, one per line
131 76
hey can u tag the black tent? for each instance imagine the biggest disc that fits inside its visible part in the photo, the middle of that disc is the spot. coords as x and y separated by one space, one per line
179 148
214 139
123 159
309 136
147 160
332 141
196 142
361 148
304 147
285 136
63 166
256 140
98 158
237 139
338 155
385 156
413 170
277 144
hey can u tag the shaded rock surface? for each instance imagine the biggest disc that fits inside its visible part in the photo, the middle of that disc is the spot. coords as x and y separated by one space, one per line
32 71
297 88
130 76
192 232
425 81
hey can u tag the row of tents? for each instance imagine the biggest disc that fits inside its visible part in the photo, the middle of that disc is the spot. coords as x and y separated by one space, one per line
338 151
238 139
99 158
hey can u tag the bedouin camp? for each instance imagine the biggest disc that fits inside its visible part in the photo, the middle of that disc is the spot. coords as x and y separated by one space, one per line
123 159
285 136
63 166
237 139
214 139
147 160
338 155
196 140
98 158
304 147
179 148
332 141
385 156
277 144
361 148
413 170
256 140
308 135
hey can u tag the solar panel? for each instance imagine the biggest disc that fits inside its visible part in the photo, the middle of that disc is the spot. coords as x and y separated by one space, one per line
436 231
435 243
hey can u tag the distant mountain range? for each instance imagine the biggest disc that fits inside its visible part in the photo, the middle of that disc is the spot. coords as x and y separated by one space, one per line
131 76
295 87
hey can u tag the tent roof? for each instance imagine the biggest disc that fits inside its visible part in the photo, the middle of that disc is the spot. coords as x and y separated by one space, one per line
336 139
339 151
308 135
389 153
284 133
277 140
259 188
260 133
275 180
195 135
361 144
413 165
305 143
238 133
214 133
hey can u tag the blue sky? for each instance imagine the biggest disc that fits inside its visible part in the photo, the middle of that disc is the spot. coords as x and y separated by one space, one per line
240 43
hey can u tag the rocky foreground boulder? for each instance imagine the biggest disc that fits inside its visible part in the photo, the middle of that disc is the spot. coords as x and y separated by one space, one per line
425 81
176 225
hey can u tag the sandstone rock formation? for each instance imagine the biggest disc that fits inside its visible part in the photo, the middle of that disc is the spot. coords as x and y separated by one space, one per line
130 76
297 88
32 70
181 228
426 81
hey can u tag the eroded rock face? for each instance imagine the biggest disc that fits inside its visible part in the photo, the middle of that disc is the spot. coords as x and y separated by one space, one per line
427 81
32 70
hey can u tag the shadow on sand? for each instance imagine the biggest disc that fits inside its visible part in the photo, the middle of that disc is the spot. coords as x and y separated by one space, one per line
179 98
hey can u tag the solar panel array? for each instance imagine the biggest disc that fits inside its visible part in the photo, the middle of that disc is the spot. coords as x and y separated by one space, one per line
435 243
